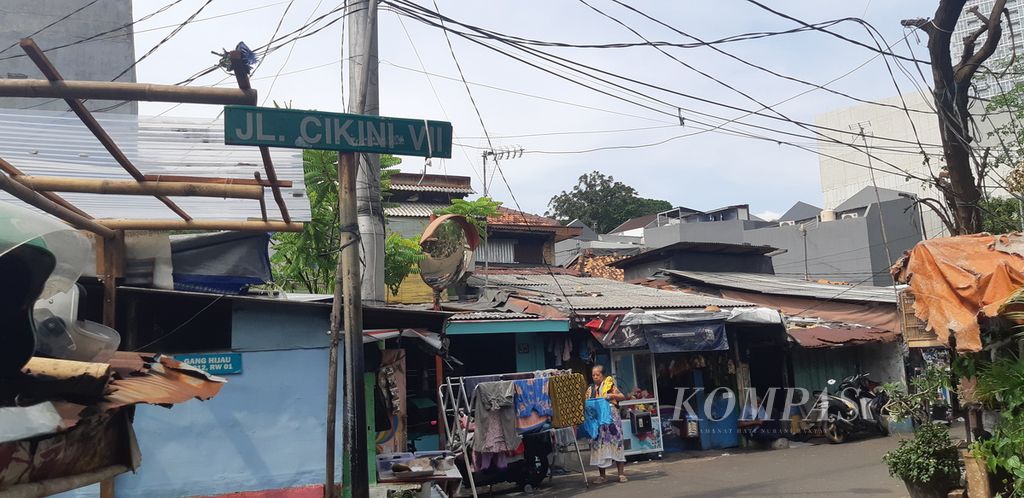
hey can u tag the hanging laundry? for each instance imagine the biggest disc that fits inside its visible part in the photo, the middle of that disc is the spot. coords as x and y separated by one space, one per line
533 404
567 350
567 397
495 417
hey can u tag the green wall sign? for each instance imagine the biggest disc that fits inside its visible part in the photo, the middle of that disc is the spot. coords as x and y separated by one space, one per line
291 128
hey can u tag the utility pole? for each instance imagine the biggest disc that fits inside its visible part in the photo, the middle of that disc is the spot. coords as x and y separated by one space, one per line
364 98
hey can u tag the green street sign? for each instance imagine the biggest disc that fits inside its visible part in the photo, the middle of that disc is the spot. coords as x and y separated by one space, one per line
292 128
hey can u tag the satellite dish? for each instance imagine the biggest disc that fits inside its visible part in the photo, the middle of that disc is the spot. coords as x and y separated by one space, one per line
448 243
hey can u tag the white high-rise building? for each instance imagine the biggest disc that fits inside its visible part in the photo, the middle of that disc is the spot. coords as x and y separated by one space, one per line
986 83
88 57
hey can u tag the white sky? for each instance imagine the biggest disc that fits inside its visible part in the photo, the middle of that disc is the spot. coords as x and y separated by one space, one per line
707 170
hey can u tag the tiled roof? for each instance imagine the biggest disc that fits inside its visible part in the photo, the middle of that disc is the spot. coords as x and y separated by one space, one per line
412 209
783 286
418 182
591 293
508 216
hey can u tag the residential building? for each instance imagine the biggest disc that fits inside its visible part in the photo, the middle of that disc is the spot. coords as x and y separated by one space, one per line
726 224
515 238
87 56
699 256
857 241
414 197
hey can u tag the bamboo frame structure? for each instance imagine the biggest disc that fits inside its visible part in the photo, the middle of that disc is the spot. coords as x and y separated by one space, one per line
119 90
39 191
132 187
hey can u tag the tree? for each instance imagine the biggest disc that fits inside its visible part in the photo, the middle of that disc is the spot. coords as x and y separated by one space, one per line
308 259
1002 215
476 212
602 203
960 187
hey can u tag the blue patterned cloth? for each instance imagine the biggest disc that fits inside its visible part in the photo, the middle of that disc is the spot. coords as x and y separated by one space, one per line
596 412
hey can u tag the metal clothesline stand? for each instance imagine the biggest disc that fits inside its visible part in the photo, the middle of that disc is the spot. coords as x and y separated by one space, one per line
455 402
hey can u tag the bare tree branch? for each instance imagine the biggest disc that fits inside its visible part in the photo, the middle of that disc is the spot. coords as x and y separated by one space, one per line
966 69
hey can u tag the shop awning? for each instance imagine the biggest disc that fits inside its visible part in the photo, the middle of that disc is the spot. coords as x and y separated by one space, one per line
675 331
433 340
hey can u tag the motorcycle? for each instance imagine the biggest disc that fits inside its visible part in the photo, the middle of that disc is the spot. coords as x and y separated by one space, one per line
856 405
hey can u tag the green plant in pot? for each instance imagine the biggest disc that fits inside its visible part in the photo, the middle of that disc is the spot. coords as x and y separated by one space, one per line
1001 384
928 463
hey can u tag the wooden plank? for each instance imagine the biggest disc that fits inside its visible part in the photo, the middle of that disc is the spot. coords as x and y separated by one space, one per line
235 225
43 63
205 179
241 71
120 90
263 203
36 199
132 187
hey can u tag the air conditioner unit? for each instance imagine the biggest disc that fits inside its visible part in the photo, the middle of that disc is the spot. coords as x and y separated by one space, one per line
847 216
788 223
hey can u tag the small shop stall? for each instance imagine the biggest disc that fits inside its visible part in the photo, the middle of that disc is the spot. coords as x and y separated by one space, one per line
688 349
502 428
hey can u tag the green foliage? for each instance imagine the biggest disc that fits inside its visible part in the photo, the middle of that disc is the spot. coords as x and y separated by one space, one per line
400 258
915 404
1002 383
1001 215
476 211
602 203
307 260
930 457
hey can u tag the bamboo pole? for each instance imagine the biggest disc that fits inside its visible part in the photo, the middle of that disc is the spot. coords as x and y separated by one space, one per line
132 187
241 71
8 168
43 63
207 179
36 199
119 90
233 225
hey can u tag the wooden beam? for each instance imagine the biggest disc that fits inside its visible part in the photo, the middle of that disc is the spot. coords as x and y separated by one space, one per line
36 199
206 179
43 63
132 187
8 168
119 90
241 71
234 225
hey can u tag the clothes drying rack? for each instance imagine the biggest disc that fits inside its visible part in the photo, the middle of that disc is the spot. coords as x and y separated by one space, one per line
456 402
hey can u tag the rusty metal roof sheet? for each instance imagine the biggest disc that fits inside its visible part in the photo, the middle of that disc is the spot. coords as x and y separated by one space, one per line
784 286
830 336
161 381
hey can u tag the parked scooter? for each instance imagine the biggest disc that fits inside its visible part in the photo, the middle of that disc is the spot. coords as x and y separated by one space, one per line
856 405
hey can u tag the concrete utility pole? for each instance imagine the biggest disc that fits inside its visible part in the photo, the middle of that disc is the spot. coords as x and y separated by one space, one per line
365 99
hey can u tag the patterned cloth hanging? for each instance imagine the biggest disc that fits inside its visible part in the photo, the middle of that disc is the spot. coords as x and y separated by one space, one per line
567 398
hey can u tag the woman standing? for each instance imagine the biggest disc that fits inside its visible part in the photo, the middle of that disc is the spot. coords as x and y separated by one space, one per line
606 448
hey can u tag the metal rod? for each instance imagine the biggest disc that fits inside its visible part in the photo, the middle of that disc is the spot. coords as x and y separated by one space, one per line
132 187
234 225
6 167
119 90
241 71
38 200
39 58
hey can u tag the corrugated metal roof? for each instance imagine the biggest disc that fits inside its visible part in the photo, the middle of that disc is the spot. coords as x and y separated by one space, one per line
492 315
590 293
783 286
839 335
432 188
412 209
701 247
58 144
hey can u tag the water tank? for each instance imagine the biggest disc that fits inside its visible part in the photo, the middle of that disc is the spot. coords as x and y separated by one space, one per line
828 215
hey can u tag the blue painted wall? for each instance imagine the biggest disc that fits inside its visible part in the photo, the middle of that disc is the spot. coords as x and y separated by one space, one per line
265 430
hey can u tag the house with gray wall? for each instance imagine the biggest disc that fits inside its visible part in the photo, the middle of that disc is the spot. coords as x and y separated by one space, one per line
88 58
856 242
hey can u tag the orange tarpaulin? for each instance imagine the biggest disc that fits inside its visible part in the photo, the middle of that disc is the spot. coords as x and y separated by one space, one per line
956 278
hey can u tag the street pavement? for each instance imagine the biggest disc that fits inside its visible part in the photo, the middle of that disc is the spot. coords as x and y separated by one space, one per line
850 469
